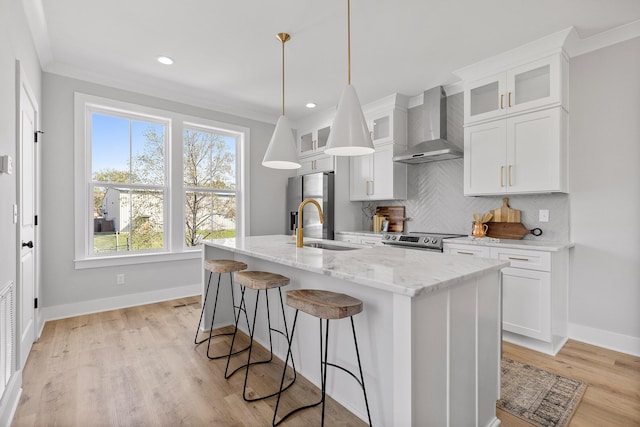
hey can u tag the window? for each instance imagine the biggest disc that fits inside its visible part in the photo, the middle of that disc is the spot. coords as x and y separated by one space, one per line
151 184
127 181
209 158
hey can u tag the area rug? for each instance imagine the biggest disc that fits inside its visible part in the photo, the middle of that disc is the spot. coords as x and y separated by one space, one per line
537 396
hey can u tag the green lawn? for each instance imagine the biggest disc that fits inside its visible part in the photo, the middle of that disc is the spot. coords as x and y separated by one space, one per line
106 242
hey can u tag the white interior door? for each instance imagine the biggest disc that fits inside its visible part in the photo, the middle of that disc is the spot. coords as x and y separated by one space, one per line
27 279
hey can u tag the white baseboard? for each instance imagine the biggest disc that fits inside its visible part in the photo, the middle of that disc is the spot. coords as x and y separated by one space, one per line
10 399
606 339
113 303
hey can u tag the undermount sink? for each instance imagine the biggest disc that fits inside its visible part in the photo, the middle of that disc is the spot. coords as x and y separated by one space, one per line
329 246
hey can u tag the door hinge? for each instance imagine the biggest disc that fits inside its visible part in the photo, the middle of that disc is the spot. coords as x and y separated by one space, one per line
35 220
35 303
35 135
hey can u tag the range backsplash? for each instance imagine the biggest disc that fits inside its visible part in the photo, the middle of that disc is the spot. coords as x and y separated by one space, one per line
436 202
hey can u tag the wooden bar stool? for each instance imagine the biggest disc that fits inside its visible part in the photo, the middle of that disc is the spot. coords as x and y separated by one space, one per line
323 305
220 266
259 281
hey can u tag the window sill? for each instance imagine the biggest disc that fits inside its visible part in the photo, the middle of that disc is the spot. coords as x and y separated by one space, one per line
113 261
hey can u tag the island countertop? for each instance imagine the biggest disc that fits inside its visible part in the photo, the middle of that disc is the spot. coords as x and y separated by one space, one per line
408 272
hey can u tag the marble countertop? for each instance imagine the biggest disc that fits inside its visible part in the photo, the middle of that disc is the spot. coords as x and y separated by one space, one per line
403 271
534 245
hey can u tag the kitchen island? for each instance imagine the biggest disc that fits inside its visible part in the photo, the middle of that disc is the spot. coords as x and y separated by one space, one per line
429 335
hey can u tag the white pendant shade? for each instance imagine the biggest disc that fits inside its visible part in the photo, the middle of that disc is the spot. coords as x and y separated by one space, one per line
349 134
281 152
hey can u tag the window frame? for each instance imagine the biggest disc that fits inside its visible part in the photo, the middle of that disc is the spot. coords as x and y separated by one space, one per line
174 233
91 108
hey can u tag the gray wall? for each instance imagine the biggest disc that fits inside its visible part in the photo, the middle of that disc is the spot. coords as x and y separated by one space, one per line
61 283
604 153
436 202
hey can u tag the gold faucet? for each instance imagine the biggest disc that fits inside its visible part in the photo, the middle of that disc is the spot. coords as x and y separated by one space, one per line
299 231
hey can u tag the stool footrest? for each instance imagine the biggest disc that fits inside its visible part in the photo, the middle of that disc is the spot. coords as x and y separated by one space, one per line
227 354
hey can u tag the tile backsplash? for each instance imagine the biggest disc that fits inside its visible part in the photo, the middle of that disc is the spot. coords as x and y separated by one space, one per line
436 202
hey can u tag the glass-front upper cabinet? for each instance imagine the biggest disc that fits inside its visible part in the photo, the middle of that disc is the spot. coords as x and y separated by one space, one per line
533 85
314 140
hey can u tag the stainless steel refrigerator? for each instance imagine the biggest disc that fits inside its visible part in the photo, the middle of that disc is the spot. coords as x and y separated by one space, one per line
317 186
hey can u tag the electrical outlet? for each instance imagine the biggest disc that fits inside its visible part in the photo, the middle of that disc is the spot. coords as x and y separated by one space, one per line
119 279
543 215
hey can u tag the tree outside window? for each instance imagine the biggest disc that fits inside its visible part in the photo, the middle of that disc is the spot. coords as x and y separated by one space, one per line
209 159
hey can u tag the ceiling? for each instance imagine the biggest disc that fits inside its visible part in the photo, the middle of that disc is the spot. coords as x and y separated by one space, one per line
228 58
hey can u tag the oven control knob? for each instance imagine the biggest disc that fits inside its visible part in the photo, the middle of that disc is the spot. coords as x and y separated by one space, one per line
426 240
387 237
393 237
434 240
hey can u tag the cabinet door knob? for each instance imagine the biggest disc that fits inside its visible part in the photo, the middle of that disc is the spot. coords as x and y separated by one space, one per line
509 100
501 101
501 176
465 253
510 184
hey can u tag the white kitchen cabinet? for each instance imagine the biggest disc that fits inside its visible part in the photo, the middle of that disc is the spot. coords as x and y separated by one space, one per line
534 293
526 292
533 85
349 238
456 249
526 303
313 140
376 176
521 154
360 239
387 119
316 163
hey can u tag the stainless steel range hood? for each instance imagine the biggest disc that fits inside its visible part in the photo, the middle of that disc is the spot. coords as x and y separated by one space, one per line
434 146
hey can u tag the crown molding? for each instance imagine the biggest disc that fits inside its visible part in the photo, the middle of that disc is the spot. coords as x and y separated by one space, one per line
164 90
576 46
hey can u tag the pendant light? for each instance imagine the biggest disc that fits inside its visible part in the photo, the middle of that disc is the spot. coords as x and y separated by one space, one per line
282 152
349 133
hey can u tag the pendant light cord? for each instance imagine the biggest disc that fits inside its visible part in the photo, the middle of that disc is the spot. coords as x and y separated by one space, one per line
283 77
283 37
349 40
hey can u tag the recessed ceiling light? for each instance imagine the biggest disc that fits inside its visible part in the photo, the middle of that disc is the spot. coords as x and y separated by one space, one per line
311 105
165 60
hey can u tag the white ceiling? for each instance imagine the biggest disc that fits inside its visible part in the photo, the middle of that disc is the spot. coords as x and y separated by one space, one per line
227 57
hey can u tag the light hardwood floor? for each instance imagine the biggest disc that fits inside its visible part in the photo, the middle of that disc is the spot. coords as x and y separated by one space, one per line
612 398
138 367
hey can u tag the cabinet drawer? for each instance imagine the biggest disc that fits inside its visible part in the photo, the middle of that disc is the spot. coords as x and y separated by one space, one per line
371 241
530 260
473 250
350 238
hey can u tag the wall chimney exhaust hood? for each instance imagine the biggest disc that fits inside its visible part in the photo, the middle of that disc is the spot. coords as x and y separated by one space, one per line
435 146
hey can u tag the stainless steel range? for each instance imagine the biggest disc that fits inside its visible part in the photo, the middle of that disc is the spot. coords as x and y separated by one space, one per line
418 240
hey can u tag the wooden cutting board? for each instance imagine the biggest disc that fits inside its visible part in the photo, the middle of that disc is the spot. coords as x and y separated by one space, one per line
505 213
395 216
510 230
